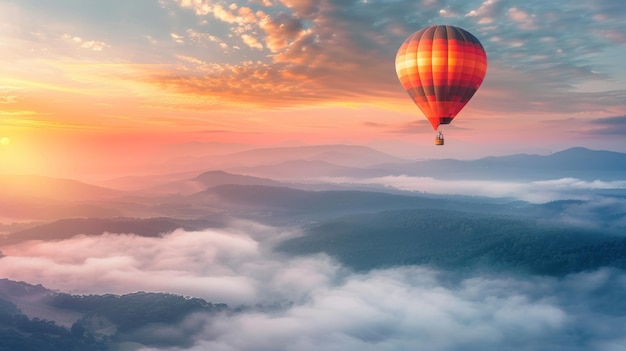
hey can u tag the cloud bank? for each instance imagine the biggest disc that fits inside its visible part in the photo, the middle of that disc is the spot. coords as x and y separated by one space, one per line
324 305
219 266
533 191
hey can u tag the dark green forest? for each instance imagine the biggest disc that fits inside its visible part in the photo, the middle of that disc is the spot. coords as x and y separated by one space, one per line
131 311
128 315
460 240
20 333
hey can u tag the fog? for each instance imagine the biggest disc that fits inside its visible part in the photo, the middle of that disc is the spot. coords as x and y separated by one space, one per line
411 308
221 266
325 306
597 212
531 191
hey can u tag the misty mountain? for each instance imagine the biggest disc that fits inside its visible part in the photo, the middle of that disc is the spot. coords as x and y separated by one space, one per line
137 183
29 197
283 204
40 187
44 210
575 162
310 163
190 185
308 169
67 228
214 178
346 155
458 241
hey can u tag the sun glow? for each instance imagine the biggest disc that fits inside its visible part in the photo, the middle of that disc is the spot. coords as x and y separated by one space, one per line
5 141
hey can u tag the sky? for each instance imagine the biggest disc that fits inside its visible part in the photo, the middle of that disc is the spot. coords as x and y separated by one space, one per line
88 85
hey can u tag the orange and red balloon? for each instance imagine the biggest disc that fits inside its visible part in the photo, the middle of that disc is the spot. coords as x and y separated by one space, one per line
441 67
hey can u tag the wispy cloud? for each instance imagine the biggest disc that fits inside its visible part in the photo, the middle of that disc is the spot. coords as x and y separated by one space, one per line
609 126
188 56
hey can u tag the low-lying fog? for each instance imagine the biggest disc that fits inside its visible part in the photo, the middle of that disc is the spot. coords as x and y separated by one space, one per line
531 191
325 306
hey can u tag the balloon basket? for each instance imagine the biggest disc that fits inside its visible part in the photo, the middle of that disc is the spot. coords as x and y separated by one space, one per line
439 139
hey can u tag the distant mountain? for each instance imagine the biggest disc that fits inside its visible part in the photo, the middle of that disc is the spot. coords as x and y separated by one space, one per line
29 197
214 178
575 162
67 228
302 170
290 204
315 162
346 155
142 182
206 180
33 209
40 187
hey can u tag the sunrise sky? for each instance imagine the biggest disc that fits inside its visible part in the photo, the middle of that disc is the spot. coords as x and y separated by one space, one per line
90 85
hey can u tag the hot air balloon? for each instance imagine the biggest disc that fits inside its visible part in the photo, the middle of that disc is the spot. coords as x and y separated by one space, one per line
441 67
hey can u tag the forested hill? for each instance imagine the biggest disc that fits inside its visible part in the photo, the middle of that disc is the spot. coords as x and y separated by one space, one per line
106 320
458 240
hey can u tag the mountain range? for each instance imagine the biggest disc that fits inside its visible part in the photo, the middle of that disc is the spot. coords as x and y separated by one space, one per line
575 162
307 168
297 164
317 208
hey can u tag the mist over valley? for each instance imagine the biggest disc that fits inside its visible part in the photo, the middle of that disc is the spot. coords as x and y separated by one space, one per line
374 253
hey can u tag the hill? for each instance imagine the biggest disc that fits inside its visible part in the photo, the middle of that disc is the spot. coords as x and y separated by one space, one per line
40 187
29 197
346 155
575 162
303 170
100 321
459 241
67 228
215 178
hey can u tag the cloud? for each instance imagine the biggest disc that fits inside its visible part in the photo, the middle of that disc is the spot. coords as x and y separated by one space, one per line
412 127
281 30
525 20
320 304
314 51
397 309
608 126
534 191
251 42
599 212
486 12
592 210
407 308
218 266
328 46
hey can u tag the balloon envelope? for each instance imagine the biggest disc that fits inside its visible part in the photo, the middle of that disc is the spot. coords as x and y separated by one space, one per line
441 67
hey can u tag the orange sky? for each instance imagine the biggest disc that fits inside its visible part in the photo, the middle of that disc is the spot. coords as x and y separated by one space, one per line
94 88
